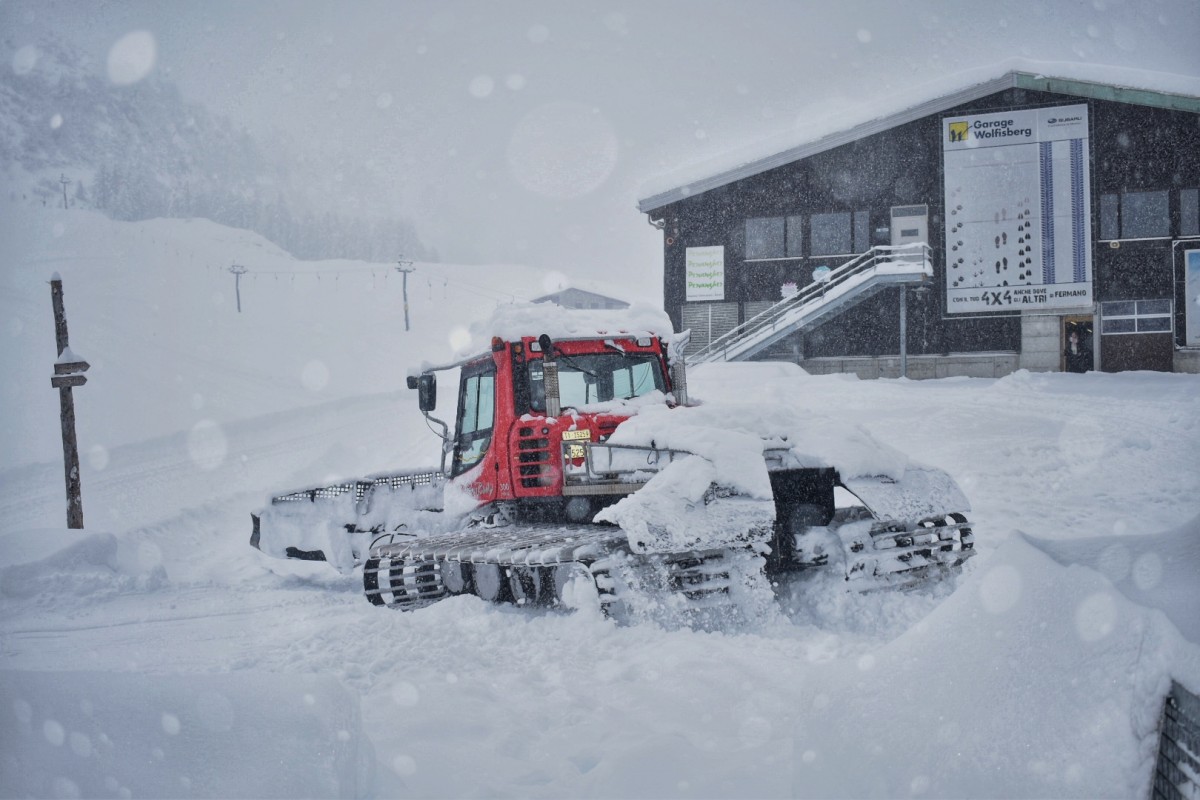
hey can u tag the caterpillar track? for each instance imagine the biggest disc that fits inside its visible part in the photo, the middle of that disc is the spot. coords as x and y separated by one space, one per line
549 565
560 566
890 554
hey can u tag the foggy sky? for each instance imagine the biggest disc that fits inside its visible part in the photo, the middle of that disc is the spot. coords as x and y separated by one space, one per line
525 132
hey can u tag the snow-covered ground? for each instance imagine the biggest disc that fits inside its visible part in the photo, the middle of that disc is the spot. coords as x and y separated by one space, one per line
156 654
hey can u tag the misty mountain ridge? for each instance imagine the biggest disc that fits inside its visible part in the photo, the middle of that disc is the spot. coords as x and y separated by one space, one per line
141 151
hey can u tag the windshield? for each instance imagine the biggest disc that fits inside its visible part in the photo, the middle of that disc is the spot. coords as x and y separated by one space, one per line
598 378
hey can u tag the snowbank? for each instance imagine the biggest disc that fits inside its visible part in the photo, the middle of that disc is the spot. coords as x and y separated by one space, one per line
47 562
1156 570
1046 683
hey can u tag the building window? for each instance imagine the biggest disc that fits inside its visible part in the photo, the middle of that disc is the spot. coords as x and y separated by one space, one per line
795 237
832 234
1135 215
1145 215
1189 212
862 231
765 238
1110 217
1136 316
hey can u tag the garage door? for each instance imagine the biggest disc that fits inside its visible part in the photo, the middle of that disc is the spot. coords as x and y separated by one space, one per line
708 321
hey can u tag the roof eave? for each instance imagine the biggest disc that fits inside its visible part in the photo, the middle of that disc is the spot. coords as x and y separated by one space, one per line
1010 80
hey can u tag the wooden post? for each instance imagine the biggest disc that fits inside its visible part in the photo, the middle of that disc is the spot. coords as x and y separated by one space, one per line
67 374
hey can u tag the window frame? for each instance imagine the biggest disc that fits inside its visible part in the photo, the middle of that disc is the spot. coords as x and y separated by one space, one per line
782 220
832 216
797 232
476 442
1135 320
1122 211
1194 217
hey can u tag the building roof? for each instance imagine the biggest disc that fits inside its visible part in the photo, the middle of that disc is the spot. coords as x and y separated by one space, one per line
1014 79
571 294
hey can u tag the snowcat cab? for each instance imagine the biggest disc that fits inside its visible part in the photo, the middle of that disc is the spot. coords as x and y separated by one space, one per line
527 410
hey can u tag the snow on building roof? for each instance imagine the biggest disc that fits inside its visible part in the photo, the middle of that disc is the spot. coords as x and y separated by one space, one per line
1120 84
573 297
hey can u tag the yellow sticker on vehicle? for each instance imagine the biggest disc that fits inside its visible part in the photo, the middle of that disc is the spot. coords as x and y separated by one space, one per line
582 433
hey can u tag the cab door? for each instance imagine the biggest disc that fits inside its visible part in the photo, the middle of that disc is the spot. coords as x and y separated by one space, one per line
476 418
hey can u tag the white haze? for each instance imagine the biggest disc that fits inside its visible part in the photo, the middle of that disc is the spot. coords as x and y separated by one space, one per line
525 132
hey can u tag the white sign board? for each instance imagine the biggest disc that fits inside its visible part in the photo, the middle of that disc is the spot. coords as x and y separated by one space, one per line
1191 288
1018 219
705 273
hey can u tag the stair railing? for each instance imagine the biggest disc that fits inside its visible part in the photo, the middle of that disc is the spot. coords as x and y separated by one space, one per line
810 298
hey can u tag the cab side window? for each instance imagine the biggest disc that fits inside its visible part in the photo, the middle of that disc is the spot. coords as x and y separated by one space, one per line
476 418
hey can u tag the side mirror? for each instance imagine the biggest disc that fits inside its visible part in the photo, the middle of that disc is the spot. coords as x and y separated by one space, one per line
426 387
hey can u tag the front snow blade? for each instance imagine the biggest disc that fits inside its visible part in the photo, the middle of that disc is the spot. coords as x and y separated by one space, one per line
338 523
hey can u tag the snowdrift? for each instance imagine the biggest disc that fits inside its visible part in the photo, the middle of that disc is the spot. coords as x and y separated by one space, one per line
1032 680
1159 570
91 565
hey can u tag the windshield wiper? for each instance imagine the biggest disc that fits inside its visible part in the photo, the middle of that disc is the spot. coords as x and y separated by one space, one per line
564 357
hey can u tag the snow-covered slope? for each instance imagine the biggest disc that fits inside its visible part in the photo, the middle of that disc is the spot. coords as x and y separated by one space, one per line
153 307
157 654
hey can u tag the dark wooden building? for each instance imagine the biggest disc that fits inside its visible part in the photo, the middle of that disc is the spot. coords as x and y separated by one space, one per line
1062 219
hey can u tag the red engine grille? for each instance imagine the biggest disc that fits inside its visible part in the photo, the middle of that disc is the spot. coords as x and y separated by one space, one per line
535 467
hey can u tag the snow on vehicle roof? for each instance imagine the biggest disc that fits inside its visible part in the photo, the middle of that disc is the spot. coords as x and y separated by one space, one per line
515 320
734 435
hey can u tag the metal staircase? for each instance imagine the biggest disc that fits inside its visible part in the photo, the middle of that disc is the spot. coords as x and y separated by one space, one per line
852 282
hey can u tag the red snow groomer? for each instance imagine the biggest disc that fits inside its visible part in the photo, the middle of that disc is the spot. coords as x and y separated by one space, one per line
546 502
